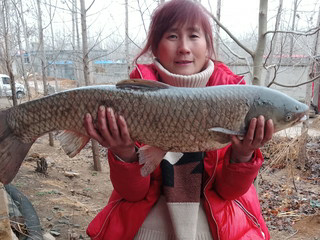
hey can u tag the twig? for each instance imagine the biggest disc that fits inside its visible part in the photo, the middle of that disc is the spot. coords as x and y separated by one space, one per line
307 33
292 234
297 85
251 53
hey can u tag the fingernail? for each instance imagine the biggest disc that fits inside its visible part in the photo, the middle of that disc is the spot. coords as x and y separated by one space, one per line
109 110
101 108
88 115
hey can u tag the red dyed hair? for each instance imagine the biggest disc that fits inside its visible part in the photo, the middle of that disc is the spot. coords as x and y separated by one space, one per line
180 12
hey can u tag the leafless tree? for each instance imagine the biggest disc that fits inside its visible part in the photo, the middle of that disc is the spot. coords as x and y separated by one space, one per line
273 43
43 60
95 146
7 38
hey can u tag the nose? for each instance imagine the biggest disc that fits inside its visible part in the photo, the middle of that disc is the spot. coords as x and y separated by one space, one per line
183 47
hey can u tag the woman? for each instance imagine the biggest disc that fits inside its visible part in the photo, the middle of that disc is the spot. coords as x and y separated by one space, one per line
217 200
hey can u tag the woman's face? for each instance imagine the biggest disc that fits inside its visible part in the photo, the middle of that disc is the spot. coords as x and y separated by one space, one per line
183 50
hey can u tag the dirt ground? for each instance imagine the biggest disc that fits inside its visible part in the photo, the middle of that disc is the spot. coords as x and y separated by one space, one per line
290 196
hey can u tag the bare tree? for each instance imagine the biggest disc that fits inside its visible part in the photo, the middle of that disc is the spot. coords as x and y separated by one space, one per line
313 68
95 146
43 60
257 55
218 27
127 37
295 7
27 47
52 11
273 43
5 9
24 75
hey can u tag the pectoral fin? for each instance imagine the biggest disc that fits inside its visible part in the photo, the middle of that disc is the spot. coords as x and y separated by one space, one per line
226 131
151 157
72 142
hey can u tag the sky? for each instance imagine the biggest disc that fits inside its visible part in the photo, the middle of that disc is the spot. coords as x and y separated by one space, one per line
240 17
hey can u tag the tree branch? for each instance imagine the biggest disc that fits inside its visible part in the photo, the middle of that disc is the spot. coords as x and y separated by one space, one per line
251 53
298 85
307 33
90 5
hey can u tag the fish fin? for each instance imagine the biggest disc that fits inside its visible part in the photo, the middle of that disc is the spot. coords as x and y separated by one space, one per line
151 158
141 84
12 151
72 142
226 131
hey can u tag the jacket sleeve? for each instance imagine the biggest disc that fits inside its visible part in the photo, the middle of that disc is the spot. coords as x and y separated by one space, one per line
127 180
232 180
125 177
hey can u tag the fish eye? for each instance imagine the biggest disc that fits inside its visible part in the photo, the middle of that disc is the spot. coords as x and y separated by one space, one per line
288 117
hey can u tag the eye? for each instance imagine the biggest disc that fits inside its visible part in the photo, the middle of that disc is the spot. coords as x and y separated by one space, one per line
288 117
194 36
172 36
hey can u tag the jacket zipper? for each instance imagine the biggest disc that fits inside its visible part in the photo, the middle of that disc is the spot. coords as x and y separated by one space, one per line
204 193
251 216
117 202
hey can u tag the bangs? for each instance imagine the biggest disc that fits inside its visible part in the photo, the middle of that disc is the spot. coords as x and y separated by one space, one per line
179 13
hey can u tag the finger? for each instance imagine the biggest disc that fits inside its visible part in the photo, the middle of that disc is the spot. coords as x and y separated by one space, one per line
124 132
269 130
91 131
112 122
102 124
259 132
250 133
235 140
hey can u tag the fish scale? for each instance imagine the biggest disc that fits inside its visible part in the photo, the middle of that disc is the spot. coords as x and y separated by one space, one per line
164 117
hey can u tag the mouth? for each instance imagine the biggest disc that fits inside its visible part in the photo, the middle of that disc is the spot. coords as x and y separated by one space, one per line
183 62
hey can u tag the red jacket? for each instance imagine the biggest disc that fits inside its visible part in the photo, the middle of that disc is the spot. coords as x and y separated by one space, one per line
230 200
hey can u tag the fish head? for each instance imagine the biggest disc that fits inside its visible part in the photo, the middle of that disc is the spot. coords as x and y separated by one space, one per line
284 110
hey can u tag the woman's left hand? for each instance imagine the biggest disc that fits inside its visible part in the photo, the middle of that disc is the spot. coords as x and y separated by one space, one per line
257 135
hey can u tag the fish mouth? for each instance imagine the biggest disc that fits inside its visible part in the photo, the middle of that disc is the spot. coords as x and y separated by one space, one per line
303 118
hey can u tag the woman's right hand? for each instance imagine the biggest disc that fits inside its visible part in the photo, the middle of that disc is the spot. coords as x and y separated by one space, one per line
112 132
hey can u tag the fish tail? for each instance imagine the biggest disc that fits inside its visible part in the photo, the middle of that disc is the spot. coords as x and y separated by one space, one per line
10 158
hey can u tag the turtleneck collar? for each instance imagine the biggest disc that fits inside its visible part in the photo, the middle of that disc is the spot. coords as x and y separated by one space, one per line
195 80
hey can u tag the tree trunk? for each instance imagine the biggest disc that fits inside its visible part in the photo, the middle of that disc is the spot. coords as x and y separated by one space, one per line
217 47
302 155
274 42
295 7
28 49
258 55
127 37
95 145
43 61
7 55
53 50
21 55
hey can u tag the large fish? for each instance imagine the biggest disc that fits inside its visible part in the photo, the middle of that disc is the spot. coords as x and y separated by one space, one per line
161 116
